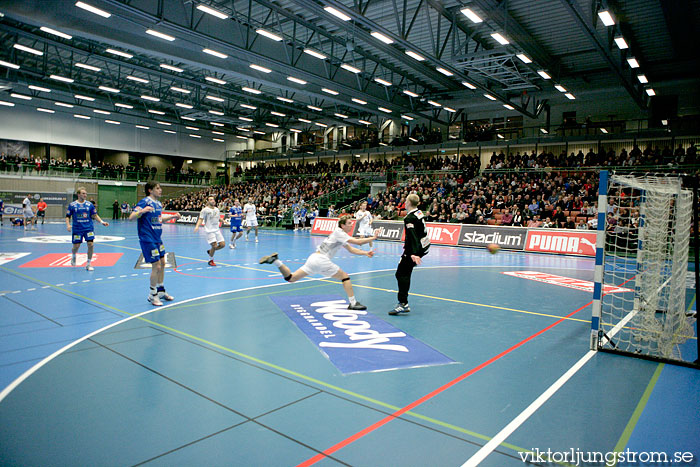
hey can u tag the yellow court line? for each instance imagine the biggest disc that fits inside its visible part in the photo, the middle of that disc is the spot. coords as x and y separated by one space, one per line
277 367
453 300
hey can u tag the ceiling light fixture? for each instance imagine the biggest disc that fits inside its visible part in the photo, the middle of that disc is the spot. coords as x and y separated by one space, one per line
119 53
88 67
24 48
415 56
316 54
215 80
350 68
337 13
171 68
56 33
382 37
93 9
269 35
215 53
500 39
138 80
211 11
160 35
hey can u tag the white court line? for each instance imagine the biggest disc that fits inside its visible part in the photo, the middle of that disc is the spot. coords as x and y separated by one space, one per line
508 430
12 386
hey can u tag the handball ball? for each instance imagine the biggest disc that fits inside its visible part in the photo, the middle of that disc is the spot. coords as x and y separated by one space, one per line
493 248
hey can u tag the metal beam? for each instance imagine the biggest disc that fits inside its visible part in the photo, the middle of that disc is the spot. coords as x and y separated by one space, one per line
368 25
575 11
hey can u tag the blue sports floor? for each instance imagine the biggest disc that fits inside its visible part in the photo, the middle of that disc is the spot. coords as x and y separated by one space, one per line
224 375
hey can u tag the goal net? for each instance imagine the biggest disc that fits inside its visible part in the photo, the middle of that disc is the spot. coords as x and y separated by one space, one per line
643 238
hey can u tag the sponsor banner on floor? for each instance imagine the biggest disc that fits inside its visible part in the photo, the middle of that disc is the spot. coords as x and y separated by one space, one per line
66 239
62 260
8 257
170 261
569 242
578 284
356 341
511 238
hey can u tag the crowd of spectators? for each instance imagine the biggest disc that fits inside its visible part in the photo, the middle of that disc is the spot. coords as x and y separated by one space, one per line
605 158
99 169
272 198
555 200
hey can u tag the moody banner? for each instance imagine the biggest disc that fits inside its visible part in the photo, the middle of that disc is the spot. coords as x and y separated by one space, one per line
356 341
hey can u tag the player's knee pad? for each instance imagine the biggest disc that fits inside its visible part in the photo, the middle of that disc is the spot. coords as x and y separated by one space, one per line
288 278
346 279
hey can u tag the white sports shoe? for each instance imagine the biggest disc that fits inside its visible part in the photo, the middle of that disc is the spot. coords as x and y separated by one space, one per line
231 246
155 301
256 239
72 260
89 267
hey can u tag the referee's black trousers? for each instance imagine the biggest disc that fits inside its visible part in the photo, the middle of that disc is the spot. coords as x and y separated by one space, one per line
403 277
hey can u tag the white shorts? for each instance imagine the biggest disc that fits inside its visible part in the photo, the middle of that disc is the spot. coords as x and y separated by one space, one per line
320 264
251 222
365 231
215 237
28 213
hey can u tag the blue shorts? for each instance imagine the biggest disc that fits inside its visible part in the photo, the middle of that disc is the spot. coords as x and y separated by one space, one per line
152 252
236 227
79 236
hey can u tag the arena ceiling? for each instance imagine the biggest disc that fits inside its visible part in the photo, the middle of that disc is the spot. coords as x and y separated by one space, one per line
259 65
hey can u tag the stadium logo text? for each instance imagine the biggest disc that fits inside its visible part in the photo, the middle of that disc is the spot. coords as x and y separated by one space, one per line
389 234
495 237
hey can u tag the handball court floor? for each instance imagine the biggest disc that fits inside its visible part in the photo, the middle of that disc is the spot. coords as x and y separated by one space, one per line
224 376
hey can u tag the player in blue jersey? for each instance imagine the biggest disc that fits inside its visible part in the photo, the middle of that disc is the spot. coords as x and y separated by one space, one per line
236 214
79 216
149 212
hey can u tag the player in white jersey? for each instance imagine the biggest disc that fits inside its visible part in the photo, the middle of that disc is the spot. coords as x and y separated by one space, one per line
251 219
28 213
210 218
319 262
364 218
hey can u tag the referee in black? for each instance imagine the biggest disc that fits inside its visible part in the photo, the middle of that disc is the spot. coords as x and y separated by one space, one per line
415 246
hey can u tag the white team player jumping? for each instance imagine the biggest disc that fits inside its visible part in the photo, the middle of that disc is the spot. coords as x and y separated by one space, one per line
319 262
251 219
210 217
364 218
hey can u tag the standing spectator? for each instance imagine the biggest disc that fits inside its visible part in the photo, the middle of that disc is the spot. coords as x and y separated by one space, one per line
115 210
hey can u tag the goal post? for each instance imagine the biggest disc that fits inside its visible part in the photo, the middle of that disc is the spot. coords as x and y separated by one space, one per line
639 297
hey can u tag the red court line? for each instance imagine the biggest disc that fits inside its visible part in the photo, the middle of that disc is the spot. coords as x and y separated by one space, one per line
437 391
432 394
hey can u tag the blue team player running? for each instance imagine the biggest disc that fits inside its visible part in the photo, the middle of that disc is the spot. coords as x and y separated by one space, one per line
236 213
79 216
149 212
